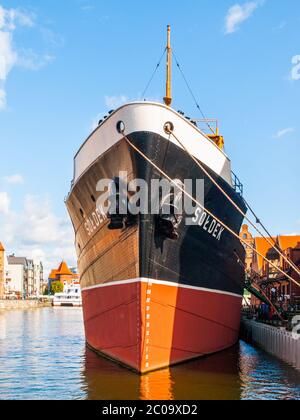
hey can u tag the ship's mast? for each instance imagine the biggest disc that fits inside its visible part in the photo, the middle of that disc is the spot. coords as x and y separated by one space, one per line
168 97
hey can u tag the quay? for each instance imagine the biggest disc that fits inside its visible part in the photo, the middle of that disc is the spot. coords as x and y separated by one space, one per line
277 341
9 305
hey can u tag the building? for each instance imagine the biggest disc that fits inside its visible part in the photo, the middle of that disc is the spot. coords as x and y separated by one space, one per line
24 278
248 238
34 278
16 277
63 274
274 283
2 271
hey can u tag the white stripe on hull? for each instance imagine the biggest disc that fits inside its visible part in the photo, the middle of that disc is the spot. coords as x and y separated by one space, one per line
159 282
151 117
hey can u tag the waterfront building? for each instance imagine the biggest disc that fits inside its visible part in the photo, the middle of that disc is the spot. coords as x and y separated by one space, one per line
63 274
247 236
2 270
24 278
34 278
16 277
276 285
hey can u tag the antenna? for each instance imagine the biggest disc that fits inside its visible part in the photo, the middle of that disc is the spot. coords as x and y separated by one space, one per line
168 98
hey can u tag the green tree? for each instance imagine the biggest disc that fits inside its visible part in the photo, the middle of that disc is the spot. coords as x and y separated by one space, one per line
57 287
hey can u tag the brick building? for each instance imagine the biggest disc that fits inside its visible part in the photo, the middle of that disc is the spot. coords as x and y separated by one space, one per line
63 274
272 281
248 237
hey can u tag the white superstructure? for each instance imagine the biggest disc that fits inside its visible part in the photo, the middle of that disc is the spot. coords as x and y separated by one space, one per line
71 296
151 117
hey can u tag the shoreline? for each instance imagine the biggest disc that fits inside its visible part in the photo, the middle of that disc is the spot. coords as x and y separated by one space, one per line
12 305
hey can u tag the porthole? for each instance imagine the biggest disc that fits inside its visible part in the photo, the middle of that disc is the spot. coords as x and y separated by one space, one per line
120 127
169 127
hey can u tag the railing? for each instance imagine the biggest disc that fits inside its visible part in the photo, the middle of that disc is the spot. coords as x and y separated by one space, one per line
208 126
237 185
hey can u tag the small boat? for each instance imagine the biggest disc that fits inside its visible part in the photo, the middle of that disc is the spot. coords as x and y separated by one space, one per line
70 297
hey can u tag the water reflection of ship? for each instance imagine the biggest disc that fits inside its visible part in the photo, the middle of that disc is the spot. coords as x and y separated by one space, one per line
108 381
215 377
212 378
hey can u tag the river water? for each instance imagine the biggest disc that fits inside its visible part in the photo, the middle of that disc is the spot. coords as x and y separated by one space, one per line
43 356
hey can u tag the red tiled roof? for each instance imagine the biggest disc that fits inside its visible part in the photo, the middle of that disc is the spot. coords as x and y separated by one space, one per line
63 270
53 275
286 242
263 247
1 247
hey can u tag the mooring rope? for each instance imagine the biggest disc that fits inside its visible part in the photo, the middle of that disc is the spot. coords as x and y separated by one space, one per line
208 211
273 245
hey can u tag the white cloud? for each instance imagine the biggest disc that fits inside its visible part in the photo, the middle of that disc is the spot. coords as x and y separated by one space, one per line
87 8
2 99
33 61
22 18
282 25
10 19
95 121
41 225
284 132
8 57
37 232
238 14
52 38
295 73
111 102
4 203
14 179
114 102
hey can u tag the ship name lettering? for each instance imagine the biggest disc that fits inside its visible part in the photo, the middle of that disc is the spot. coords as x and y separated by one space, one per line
210 225
93 222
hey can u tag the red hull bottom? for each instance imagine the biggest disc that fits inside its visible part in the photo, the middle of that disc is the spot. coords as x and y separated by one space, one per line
148 325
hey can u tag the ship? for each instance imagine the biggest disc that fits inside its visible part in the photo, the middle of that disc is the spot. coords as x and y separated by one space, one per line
70 297
157 291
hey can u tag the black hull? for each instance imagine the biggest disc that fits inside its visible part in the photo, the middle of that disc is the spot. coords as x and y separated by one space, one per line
196 258
150 301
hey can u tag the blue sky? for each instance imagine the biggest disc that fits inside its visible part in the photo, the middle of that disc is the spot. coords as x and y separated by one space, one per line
63 64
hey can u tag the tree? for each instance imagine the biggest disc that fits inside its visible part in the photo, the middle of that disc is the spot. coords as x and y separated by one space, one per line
57 287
